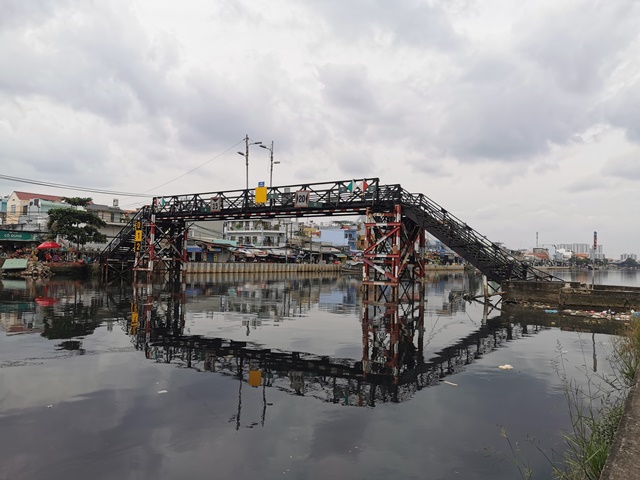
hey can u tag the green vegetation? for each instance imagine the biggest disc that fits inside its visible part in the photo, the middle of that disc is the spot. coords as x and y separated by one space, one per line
594 419
75 224
595 411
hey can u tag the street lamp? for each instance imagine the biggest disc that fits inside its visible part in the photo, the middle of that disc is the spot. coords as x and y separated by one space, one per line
246 156
271 163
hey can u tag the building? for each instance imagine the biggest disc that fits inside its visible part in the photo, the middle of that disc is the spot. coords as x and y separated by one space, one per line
18 204
37 216
581 249
3 209
115 219
264 233
340 236
625 256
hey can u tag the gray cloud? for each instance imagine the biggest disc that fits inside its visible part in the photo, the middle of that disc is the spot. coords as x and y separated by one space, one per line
625 166
415 24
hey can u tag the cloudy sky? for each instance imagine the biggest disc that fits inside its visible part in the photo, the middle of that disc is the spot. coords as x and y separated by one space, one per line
517 117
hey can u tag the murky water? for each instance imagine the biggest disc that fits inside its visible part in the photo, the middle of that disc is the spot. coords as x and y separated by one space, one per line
272 377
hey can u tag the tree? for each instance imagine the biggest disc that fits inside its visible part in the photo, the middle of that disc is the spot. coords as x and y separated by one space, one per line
77 226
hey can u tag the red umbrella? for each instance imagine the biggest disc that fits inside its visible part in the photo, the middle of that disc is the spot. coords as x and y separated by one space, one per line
46 301
48 244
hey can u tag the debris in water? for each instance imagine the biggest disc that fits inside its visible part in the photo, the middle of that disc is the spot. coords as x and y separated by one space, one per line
450 383
162 391
506 366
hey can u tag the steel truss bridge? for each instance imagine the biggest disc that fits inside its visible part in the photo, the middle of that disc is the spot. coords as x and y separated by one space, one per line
396 221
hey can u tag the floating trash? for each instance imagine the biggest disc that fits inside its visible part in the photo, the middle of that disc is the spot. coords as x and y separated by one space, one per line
505 367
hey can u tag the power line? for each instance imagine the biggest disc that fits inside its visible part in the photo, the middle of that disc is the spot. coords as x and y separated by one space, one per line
111 192
71 187
199 166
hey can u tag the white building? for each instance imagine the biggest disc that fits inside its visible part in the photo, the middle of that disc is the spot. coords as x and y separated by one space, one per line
267 233
582 248
632 256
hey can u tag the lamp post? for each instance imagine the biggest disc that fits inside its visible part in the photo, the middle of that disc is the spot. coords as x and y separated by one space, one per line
246 157
271 163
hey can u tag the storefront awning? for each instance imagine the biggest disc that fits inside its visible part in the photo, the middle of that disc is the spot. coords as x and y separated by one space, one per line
14 264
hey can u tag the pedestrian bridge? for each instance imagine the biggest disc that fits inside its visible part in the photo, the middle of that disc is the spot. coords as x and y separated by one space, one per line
395 226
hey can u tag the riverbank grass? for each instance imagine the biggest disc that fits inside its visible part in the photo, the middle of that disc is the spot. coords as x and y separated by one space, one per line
596 410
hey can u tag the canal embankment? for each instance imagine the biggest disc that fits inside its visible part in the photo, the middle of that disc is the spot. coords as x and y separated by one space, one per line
572 295
622 462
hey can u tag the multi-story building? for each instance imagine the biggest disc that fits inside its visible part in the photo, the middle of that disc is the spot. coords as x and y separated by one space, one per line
267 233
339 236
113 216
3 209
581 249
632 256
18 204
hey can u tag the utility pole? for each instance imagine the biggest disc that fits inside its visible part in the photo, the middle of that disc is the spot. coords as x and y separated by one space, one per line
271 163
246 157
271 168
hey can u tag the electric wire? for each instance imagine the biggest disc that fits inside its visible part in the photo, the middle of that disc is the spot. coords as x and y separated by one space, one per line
144 194
71 187
196 168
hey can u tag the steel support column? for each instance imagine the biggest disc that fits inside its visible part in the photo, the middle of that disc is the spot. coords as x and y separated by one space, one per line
393 293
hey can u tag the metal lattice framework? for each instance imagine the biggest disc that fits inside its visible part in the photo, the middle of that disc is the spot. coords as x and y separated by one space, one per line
164 224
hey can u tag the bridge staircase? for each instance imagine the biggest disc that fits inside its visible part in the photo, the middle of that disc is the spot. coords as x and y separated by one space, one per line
119 254
494 261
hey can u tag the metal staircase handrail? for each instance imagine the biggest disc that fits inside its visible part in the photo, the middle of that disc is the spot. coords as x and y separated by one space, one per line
125 234
490 258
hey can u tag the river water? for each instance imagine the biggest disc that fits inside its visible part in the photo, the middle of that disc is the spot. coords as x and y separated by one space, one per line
267 377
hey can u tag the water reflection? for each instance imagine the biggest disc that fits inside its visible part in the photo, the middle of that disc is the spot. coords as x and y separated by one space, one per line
317 376
392 367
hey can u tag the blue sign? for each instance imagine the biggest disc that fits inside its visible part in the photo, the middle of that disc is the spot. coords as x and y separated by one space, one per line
261 184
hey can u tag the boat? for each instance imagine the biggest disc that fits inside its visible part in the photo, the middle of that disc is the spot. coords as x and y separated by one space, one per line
351 267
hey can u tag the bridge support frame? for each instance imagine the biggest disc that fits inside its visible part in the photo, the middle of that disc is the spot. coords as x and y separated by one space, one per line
164 251
393 292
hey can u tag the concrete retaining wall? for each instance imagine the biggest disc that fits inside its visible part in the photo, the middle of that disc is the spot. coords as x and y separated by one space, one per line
572 295
257 267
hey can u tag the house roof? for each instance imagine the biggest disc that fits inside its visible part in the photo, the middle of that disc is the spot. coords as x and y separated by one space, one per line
30 196
103 208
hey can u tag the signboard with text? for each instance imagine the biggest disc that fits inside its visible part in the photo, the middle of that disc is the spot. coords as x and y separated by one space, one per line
18 236
302 199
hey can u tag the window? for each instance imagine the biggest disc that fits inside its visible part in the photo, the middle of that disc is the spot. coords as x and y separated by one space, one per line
13 209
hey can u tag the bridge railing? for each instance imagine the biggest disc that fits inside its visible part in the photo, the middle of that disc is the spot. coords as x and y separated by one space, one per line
337 194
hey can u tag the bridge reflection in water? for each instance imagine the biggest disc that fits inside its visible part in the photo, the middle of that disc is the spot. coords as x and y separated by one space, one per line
392 368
